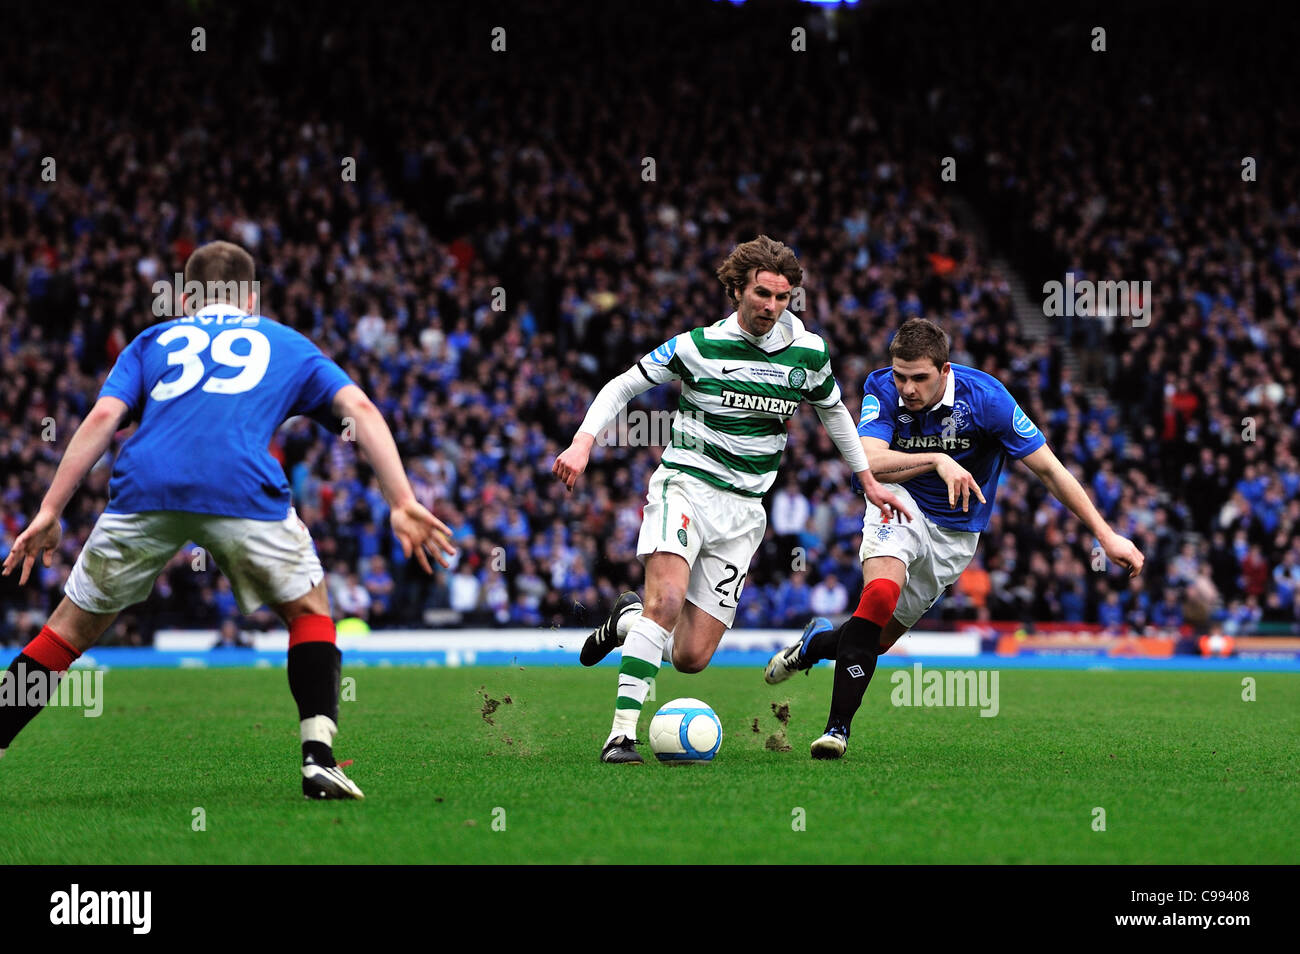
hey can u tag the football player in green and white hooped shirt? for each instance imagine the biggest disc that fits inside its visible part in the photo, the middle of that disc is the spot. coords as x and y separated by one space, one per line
742 379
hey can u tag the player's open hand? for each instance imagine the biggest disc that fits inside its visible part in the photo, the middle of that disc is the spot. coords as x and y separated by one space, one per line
570 464
961 484
417 530
889 504
1123 551
39 540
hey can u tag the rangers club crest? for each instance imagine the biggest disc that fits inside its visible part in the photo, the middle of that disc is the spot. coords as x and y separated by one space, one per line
961 416
797 377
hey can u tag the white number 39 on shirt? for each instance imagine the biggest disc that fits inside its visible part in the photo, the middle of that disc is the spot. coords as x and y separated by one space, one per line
252 365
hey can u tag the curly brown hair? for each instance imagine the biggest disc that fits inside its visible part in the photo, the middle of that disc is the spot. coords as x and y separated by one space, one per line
920 338
762 254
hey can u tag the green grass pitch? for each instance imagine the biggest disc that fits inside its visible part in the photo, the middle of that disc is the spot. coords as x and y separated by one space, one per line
1185 770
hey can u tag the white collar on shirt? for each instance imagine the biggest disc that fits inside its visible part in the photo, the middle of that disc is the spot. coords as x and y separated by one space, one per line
221 309
782 334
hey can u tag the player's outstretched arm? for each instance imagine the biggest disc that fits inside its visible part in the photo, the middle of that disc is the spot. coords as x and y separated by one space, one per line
613 397
1067 489
414 526
86 447
894 467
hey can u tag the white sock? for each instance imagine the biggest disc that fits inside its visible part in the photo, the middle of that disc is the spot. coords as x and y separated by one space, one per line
319 729
626 621
668 649
642 651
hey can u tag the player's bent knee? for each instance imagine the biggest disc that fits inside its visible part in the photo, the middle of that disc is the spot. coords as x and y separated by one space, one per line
879 599
892 633
315 602
884 567
688 662
78 627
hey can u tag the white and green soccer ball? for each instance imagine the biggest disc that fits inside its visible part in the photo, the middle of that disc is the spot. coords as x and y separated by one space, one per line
685 730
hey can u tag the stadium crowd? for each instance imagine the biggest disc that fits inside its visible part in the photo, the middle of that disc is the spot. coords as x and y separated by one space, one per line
505 249
1178 168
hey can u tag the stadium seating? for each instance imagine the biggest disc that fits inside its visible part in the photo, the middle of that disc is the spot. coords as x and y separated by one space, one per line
501 254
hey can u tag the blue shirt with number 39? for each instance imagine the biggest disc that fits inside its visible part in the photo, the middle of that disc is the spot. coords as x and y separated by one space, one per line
210 390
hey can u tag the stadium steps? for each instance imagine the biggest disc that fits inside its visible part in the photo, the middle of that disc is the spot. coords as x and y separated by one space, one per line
1029 312
1028 308
1036 327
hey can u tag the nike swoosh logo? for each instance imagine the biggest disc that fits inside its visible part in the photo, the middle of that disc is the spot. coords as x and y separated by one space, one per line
739 367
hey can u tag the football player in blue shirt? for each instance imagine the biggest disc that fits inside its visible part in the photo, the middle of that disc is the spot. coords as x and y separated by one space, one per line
209 390
946 430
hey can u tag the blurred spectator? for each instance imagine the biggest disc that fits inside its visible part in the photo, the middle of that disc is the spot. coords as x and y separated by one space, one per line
790 514
465 592
1254 573
229 636
379 585
829 598
975 585
352 599
793 600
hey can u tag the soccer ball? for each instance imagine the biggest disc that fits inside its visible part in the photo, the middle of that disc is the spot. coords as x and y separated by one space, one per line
685 730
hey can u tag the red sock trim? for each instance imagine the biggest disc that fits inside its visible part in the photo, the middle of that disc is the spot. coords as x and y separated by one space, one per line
51 650
311 629
879 598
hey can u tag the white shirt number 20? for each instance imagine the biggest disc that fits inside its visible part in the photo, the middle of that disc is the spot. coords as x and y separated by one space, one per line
252 365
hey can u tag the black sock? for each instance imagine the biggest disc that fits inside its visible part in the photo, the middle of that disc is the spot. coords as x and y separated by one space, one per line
314 678
855 664
14 717
319 753
824 645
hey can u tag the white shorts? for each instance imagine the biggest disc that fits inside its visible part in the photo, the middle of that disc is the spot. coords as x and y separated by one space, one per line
717 532
266 561
934 556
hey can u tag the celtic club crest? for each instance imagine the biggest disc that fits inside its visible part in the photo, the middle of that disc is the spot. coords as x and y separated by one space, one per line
797 377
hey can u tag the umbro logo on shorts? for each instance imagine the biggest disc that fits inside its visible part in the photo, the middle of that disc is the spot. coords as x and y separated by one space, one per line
856 672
